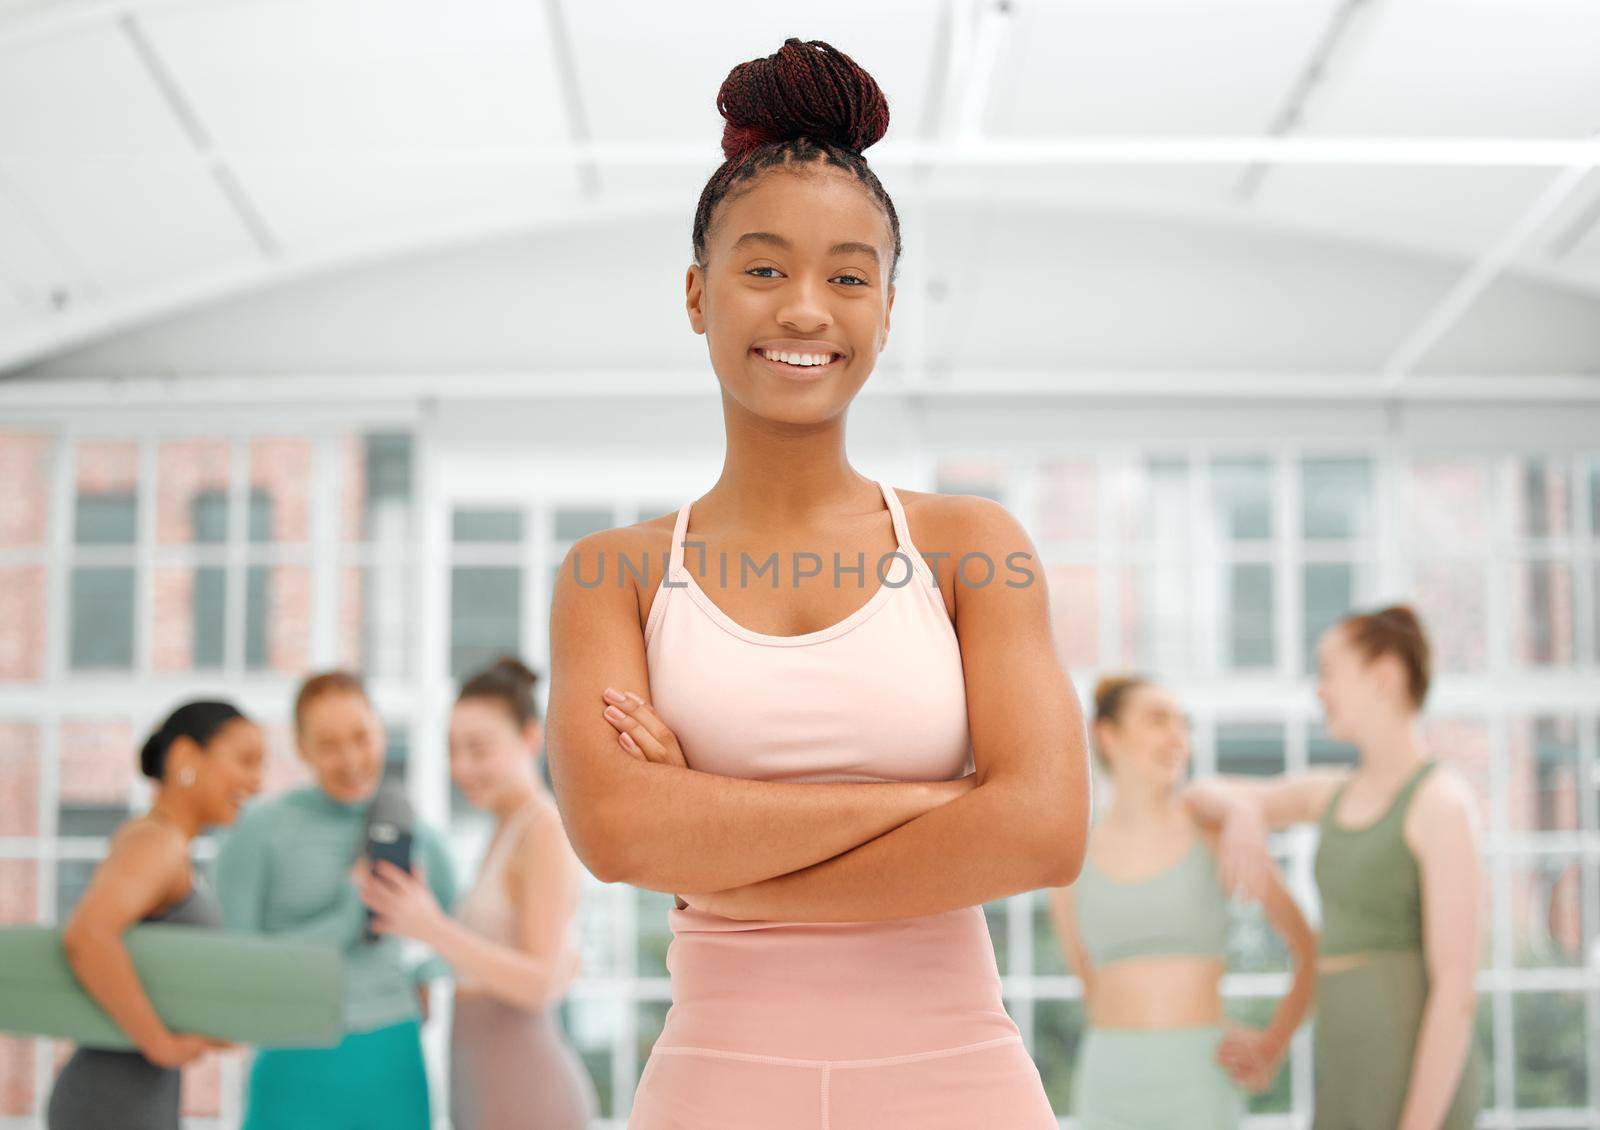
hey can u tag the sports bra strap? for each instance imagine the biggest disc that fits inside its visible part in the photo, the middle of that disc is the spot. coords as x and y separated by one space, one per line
680 531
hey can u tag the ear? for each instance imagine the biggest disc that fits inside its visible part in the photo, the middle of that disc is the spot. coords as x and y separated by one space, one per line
183 753
887 312
533 734
694 285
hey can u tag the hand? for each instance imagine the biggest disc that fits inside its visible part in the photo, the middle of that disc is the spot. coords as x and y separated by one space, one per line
1250 1056
402 900
1244 864
172 1049
640 731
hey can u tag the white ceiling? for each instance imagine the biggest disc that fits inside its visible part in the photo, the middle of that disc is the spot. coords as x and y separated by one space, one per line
168 167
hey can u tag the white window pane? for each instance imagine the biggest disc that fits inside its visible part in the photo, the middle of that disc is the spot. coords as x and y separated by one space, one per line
485 616
1247 615
485 524
1541 613
1540 491
102 618
277 618
1241 491
1068 501
1336 499
1447 506
192 491
25 463
189 618
280 489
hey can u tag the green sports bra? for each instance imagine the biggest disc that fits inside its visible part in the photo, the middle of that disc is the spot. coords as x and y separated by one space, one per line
1368 880
1179 912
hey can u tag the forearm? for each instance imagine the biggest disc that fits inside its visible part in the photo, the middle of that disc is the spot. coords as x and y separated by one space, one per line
101 962
1296 1003
1441 1053
510 974
1001 838
672 829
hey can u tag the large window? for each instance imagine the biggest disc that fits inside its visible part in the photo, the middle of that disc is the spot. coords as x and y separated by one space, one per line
139 569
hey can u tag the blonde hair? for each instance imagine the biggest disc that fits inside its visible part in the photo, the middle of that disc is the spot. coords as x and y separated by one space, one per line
1110 696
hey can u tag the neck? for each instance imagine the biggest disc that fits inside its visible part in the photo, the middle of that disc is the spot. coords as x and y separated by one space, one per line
1392 745
782 476
169 810
512 798
1136 801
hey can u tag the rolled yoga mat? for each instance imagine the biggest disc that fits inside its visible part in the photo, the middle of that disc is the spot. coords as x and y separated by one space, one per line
238 988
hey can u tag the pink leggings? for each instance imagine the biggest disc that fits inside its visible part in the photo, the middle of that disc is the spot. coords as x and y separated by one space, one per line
992 1083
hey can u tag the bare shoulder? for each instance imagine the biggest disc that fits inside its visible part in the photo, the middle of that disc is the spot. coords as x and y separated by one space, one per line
969 536
1444 806
147 843
628 560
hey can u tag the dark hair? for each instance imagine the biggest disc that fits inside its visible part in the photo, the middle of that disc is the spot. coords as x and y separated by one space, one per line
806 102
198 721
510 683
1110 696
327 682
1395 631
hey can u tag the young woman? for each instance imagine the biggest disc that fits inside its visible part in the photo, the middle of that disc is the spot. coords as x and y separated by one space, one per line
1146 928
790 755
207 761
286 872
510 939
1400 881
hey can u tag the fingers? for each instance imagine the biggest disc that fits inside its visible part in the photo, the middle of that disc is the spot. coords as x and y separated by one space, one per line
640 731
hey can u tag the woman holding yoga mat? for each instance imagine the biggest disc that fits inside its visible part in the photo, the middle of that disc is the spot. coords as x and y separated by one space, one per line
286 872
1400 880
509 938
1146 928
207 761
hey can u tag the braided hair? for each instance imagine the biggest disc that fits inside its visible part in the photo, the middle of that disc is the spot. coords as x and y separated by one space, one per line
805 103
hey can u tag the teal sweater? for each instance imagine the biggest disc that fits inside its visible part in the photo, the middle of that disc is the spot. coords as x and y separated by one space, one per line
284 871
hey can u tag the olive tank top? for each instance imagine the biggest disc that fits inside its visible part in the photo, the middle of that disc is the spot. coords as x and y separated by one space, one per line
1368 880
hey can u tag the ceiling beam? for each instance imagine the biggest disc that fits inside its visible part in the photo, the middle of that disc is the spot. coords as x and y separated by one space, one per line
1482 152
1483 274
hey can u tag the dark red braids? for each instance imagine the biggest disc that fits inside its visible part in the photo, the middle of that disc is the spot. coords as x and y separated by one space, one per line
808 102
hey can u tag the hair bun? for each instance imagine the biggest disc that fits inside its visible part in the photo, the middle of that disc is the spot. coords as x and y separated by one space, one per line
153 754
806 88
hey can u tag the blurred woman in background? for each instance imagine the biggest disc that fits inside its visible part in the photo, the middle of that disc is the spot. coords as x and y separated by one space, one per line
286 872
510 940
1146 928
1400 880
206 760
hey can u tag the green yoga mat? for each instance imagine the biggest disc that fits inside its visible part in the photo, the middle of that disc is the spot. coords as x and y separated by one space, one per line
246 990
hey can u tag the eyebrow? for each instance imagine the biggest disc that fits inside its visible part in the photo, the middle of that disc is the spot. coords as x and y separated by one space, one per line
848 246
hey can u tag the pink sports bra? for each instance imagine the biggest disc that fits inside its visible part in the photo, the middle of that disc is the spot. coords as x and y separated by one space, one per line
487 908
877 696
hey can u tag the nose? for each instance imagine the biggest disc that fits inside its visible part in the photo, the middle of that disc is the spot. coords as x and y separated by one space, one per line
803 309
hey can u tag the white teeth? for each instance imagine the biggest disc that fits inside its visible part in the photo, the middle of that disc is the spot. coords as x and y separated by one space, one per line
798 358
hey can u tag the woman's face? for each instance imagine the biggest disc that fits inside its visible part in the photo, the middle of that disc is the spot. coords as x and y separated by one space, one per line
1352 688
226 772
797 264
488 752
342 740
1149 740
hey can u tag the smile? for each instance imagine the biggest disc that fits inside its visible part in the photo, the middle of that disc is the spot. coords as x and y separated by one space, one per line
800 372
